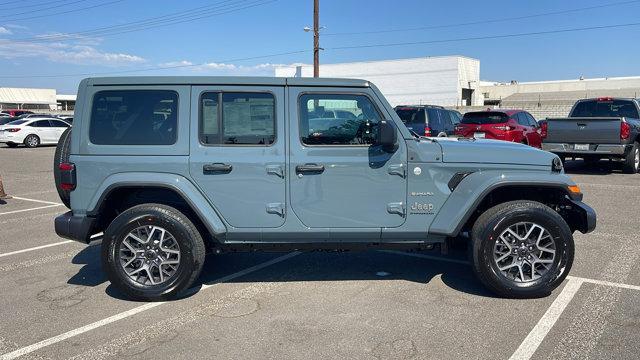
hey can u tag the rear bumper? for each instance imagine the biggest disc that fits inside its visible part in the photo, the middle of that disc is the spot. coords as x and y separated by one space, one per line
583 217
594 149
78 228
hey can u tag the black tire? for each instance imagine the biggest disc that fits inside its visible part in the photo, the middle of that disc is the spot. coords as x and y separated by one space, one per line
630 164
32 141
191 245
12 145
491 224
62 156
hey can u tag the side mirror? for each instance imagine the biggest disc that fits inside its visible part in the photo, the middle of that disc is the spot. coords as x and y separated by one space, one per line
387 136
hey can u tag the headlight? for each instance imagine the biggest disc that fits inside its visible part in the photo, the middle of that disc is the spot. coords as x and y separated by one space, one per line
556 165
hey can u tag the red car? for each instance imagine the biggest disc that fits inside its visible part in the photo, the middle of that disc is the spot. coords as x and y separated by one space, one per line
508 125
15 112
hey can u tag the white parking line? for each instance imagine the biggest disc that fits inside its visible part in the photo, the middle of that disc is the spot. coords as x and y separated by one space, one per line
35 248
535 337
35 200
30 209
606 283
69 334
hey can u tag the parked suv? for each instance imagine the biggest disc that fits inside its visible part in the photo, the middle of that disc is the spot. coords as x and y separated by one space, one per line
507 125
170 167
429 120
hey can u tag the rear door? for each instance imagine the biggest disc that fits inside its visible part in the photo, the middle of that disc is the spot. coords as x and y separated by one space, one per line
43 129
340 180
238 152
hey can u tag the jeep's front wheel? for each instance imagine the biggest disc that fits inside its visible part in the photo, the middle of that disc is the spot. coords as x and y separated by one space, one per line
152 252
521 249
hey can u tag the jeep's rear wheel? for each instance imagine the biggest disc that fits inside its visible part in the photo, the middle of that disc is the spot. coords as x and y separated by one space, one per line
521 249
152 252
62 156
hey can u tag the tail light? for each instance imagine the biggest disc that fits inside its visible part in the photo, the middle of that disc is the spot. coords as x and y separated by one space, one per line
543 129
67 176
13 130
505 128
427 131
625 130
604 99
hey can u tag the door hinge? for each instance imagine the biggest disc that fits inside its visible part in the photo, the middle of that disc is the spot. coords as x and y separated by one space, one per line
396 208
276 209
398 169
277 170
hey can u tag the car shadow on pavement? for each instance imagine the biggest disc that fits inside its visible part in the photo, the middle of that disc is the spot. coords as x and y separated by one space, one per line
309 267
603 167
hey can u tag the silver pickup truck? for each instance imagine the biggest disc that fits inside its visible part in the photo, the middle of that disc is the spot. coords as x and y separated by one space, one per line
602 128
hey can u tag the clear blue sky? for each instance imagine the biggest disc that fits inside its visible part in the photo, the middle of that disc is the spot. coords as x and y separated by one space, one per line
268 27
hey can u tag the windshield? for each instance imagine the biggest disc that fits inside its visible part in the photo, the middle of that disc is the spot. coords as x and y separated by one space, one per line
17 122
484 117
606 108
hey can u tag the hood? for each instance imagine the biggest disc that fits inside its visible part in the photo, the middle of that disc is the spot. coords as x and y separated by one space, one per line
456 150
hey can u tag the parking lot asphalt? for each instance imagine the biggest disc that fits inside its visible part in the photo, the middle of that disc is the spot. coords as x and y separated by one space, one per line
56 302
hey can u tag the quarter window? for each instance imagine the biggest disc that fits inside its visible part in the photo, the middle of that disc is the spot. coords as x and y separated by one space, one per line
237 118
134 117
337 119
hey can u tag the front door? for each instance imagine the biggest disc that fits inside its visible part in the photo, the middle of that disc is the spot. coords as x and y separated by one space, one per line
238 152
339 178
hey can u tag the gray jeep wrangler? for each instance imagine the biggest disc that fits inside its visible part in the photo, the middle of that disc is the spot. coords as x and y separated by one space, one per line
169 168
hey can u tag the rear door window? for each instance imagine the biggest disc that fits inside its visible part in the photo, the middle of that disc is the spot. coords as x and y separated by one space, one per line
237 118
40 123
433 116
134 117
522 119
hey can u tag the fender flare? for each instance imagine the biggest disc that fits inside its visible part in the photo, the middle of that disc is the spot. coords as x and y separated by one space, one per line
185 188
470 192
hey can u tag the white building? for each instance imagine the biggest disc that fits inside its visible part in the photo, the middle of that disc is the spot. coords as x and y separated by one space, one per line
440 80
35 99
26 98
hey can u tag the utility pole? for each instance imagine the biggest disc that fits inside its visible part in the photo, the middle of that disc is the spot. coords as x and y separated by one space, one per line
316 38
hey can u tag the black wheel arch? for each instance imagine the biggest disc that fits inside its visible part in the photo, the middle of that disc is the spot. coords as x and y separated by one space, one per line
120 197
556 196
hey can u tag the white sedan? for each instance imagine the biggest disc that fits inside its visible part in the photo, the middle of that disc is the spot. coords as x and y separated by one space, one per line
32 132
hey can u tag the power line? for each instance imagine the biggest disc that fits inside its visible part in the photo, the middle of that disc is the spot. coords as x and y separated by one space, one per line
65 12
43 9
155 67
220 8
33 5
340 48
489 37
559 12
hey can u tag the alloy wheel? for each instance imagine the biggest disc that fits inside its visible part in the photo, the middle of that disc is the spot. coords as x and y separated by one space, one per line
524 252
149 255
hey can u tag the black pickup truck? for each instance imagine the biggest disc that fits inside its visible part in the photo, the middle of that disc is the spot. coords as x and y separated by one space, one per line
602 128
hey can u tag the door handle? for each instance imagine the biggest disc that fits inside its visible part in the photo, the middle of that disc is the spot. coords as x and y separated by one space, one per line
216 168
310 168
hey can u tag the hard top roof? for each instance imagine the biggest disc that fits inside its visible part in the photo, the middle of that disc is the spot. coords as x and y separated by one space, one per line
226 80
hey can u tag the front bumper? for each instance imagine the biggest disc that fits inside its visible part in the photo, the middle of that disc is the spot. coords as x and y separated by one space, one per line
582 217
78 228
594 149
